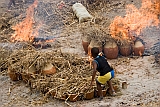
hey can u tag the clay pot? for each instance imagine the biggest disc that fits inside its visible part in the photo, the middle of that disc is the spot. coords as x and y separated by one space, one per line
89 95
111 50
27 75
63 97
125 50
97 95
124 85
85 44
94 43
73 97
138 48
13 75
49 69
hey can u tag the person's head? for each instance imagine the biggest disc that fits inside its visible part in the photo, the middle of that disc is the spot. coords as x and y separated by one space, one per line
94 52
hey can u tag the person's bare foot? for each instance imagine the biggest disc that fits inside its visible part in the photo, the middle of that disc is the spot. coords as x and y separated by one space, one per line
113 93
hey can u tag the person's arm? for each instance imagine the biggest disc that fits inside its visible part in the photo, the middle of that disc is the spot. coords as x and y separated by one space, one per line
94 72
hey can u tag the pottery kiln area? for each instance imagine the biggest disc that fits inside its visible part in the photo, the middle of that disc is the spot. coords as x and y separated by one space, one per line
64 76
128 35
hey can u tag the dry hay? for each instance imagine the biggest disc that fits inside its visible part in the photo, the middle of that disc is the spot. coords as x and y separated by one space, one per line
4 54
95 32
73 73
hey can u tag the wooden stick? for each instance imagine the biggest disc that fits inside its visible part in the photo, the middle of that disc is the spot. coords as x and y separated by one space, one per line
47 12
66 101
34 61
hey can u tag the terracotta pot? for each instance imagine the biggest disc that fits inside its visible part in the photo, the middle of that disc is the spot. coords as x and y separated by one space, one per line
138 48
97 95
125 50
124 85
93 44
111 50
63 97
49 69
89 95
13 75
73 97
85 44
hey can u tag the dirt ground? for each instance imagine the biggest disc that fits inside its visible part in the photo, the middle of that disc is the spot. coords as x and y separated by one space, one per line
142 75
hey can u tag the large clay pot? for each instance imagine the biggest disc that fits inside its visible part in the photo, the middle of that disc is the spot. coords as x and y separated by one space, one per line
94 43
111 50
85 44
49 69
138 48
97 95
63 97
89 95
13 75
125 50
73 97
60 97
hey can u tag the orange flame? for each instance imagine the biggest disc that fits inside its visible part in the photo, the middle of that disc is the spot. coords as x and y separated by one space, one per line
24 30
52 40
136 19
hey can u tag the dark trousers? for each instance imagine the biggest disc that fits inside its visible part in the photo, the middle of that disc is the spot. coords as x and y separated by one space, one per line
10 3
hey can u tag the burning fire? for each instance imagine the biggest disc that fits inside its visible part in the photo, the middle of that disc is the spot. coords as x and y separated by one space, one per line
24 30
135 20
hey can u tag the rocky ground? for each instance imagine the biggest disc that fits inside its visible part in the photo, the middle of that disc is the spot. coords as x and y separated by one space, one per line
142 74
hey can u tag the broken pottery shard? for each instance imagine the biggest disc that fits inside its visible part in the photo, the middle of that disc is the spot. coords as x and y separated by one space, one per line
81 12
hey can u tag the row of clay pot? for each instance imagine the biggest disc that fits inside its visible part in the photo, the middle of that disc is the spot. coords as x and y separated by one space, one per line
87 96
75 97
111 49
48 70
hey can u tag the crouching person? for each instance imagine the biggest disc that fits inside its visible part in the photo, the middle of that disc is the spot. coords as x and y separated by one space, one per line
101 65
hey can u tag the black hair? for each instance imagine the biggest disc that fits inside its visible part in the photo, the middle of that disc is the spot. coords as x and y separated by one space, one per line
94 52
